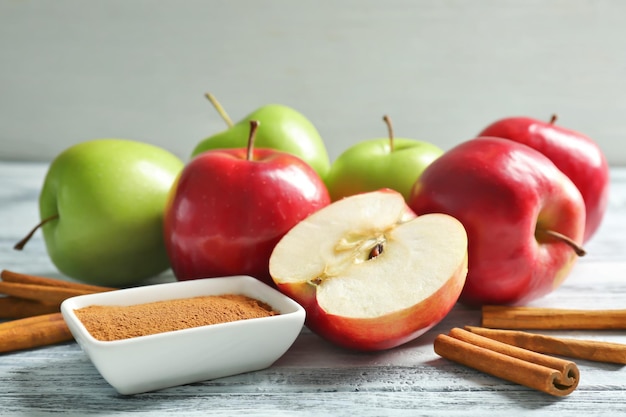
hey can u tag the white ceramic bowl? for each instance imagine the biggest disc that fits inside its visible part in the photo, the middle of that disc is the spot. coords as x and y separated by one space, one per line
180 357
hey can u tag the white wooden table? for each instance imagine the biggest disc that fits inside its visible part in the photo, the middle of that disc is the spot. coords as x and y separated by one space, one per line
314 378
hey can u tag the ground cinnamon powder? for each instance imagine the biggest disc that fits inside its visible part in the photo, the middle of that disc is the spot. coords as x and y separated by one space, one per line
109 323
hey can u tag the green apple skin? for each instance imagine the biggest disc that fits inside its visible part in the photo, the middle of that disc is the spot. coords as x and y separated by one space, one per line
281 128
110 195
372 164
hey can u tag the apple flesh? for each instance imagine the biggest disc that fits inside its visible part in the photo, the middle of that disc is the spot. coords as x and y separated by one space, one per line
369 273
524 218
577 155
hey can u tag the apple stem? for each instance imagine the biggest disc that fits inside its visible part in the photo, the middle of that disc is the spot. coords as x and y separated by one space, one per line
553 119
559 236
20 245
254 125
387 120
220 109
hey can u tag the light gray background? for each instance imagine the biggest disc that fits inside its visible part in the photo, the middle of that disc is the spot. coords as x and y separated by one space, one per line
74 70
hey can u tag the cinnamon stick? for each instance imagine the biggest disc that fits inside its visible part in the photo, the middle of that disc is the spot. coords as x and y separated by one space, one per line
44 318
547 374
537 318
33 332
573 348
43 293
42 289
33 302
12 276
18 308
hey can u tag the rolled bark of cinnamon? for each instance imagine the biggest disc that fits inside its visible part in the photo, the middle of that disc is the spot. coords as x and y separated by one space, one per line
32 302
41 293
591 350
27 295
551 375
33 332
12 276
18 308
537 318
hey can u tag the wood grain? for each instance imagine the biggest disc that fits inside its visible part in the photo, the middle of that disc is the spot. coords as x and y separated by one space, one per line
315 378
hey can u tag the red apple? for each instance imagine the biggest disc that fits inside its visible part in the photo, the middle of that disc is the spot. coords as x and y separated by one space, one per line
577 155
524 218
369 273
230 207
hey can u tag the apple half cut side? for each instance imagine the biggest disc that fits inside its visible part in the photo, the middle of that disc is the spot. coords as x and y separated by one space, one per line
371 274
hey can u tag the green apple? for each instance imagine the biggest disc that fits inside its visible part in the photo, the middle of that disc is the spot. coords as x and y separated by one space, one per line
281 128
102 205
373 164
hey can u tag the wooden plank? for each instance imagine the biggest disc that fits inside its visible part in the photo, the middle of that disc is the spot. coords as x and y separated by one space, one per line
313 377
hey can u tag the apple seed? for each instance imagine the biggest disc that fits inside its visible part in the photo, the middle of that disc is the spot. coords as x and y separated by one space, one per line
376 251
357 248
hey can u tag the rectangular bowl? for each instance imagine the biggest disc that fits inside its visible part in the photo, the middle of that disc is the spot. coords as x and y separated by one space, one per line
148 363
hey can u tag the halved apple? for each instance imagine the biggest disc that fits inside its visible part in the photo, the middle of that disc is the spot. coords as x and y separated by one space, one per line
370 274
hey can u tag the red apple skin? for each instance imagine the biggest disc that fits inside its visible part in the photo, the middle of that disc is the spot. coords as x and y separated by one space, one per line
226 213
500 190
577 155
380 333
